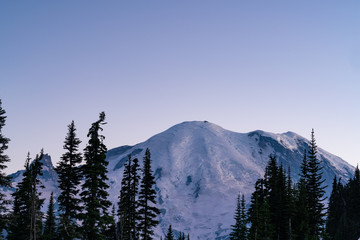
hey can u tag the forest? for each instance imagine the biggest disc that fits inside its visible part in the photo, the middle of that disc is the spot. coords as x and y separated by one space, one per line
279 208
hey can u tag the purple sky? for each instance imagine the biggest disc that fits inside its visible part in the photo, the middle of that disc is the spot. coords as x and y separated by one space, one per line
272 65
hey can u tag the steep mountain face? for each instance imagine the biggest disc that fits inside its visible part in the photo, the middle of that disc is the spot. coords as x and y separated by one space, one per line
200 168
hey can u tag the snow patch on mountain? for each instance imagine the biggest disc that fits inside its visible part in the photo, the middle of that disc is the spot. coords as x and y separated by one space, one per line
200 168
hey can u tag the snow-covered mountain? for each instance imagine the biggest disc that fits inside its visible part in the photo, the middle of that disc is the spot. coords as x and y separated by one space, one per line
200 168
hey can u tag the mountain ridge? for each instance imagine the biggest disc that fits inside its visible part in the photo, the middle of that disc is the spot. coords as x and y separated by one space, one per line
200 168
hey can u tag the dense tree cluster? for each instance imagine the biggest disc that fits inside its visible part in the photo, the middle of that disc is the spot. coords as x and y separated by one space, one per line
281 210
343 217
82 213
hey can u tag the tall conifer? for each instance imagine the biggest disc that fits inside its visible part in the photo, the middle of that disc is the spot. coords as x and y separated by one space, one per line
69 178
95 218
20 216
170 235
4 180
316 191
147 200
50 221
239 229
128 206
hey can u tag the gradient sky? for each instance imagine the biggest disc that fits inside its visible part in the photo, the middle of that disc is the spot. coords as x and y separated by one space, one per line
277 66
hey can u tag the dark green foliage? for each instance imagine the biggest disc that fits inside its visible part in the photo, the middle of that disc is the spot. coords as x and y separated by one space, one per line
128 206
50 221
336 215
301 215
239 230
147 200
259 214
26 217
124 203
353 205
169 235
94 189
69 178
343 220
315 192
4 180
271 209
111 231
20 216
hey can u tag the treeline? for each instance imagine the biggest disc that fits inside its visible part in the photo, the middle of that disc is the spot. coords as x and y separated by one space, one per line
343 222
84 212
282 210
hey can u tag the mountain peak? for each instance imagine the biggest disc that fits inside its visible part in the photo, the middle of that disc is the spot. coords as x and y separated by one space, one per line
200 168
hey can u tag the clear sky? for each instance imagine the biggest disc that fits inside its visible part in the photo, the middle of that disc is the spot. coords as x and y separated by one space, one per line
272 65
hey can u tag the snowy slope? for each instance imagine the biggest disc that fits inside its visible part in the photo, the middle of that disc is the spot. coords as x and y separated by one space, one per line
200 168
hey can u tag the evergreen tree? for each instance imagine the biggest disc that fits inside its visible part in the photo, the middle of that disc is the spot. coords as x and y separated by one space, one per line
301 215
272 205
20 217
239 230
290 205
26 217
4 180
124 204
94 189
35 201
316 191
134 213
111 232
259 214
147 200
69 178
50 222
273 196
352 201
169 235
335 222
128 205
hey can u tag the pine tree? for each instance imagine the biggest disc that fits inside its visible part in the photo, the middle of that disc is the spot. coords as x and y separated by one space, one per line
352 217
111 231
239 230
124 203
272 207
26 217
128 207
20 216
94 189
301 212
335 229
4 180
35 201
169 235
50 222
301 215
259 214
147 200
273 196
69 178
290 206
316 191
134 213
